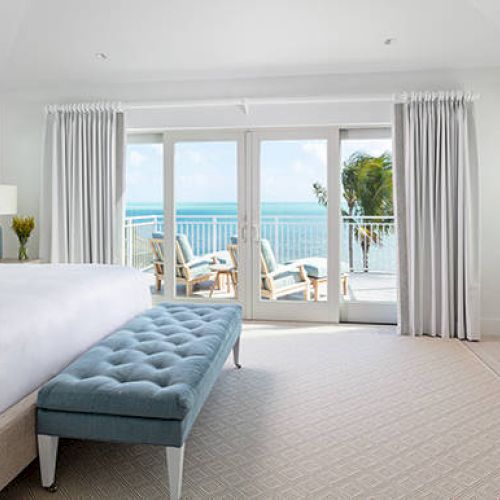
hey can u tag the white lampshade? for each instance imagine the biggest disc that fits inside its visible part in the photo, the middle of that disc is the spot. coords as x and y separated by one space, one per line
8 199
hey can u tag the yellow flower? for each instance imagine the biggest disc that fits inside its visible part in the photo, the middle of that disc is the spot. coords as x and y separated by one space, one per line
23 227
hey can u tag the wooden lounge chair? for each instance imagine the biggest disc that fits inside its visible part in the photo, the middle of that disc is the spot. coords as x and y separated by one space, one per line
232 249
191 270
317 272
279 280
157 247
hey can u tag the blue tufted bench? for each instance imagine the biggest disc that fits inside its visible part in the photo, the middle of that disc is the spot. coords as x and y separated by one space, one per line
145 383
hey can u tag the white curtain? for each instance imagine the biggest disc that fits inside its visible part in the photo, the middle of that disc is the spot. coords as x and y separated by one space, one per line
437 200
83 184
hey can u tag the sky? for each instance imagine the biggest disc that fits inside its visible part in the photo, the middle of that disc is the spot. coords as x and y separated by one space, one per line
207 171
144 179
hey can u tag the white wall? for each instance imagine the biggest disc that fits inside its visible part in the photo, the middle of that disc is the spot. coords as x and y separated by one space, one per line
21 131
21 127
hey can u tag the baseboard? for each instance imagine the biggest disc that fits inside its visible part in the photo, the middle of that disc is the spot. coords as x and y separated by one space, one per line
490 326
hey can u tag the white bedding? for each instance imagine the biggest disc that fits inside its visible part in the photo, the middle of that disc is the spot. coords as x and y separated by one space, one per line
51 313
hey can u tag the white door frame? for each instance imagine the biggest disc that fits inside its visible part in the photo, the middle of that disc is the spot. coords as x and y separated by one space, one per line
324 311
334 309
215 135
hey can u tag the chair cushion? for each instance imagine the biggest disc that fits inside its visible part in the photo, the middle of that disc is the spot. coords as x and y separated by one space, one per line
158 252
155 366
185 247
287 275
315 267
223 257
268 255
199 266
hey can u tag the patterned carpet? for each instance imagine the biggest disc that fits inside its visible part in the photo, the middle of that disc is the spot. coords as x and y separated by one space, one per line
317 412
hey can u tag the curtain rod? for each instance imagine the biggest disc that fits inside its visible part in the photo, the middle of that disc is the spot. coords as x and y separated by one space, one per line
245 103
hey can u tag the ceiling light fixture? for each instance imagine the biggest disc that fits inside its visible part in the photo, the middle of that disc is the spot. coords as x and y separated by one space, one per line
390 40
101 55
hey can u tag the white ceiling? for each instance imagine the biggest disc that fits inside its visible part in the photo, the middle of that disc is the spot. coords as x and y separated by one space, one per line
48 42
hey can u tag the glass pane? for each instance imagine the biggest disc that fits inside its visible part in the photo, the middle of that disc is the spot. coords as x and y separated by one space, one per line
368 253
206 211
144 209
294 234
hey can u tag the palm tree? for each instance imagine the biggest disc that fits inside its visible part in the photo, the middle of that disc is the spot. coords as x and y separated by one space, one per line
350 183
367 191
374 192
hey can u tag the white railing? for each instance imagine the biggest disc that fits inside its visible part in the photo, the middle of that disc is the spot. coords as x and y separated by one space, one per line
137 232
373 244
292 237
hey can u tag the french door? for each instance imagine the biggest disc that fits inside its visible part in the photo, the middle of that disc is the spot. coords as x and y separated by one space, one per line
206 217
262 218
243 222
294 237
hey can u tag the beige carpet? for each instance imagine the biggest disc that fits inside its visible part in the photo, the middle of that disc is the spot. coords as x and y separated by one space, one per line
317 412
488 350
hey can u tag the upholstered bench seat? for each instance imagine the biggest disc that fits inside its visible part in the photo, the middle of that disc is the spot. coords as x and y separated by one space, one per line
144 383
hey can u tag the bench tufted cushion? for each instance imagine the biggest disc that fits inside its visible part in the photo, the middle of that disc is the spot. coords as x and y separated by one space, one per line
158 365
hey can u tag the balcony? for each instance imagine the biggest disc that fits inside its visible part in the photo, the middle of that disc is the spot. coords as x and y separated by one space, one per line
370 264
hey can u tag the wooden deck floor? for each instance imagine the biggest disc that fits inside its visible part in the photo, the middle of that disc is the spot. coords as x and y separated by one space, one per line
363 287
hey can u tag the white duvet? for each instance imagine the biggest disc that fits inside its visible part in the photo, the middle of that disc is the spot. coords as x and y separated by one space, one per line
51 313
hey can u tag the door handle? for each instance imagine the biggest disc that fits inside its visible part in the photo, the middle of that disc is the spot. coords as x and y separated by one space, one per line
256 233
244 233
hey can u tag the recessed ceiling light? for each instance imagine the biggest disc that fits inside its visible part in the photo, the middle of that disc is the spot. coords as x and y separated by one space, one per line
101 55
390 40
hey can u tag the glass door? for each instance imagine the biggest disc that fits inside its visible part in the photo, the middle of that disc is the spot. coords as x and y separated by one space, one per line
204 215
368 230
144 207
295 225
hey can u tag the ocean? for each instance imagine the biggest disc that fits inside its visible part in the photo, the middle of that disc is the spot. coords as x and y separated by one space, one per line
215 209
295 230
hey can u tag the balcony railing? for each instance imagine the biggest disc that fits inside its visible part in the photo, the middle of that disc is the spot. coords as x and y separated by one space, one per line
292 237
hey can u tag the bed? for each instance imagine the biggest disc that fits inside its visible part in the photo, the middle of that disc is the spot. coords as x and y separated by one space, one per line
49 314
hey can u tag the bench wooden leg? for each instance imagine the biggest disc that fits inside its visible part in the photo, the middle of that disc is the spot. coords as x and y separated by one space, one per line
47 454
236 353
175 464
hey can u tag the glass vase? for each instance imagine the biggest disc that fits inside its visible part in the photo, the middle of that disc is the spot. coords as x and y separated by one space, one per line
23 250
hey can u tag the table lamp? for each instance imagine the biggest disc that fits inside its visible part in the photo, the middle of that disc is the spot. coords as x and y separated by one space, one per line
8 206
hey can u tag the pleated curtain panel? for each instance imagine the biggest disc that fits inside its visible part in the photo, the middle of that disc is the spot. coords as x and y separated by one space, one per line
437 205
83 184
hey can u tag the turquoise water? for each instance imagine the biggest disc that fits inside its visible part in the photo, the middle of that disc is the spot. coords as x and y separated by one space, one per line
215 209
